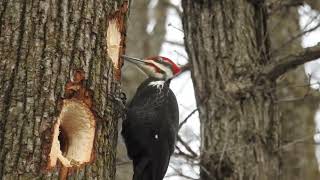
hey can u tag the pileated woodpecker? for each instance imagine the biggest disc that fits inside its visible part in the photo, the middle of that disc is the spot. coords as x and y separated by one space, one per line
152 121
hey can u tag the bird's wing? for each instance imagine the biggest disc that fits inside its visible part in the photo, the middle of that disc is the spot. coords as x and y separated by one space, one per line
150 130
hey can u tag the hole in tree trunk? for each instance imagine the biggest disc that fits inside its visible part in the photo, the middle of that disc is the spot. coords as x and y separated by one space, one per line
73 135
63 140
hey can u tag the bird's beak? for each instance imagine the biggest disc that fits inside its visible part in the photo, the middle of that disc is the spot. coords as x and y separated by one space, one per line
142 64
133 60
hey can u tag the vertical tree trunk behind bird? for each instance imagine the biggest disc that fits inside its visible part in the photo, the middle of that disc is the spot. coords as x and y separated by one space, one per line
228 45
297 117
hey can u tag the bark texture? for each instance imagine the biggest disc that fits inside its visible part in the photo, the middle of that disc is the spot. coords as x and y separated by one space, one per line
228 46
41 44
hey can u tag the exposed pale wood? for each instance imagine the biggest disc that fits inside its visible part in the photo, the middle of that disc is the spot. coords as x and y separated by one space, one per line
41 43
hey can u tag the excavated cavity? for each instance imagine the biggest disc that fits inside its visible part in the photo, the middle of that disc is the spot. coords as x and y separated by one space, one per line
114 42
73 135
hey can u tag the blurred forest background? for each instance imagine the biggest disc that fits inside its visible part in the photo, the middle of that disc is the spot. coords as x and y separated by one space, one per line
155 27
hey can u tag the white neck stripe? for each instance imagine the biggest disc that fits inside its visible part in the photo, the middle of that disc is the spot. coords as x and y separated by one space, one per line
158 84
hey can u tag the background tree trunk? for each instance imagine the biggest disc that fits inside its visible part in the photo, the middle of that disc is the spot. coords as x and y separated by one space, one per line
314 4
227 46
298 159
140 43
41 43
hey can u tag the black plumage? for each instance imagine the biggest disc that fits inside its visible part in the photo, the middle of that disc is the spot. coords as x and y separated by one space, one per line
150 129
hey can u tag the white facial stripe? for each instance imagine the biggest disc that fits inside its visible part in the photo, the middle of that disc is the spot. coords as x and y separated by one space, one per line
165 69
149 70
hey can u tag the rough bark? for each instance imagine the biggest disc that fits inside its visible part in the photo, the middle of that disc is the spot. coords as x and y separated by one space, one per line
41 44
227 45
296 117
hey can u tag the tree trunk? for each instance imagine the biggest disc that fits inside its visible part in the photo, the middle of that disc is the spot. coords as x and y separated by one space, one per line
298 160
56 73
140 43
228 47
314 4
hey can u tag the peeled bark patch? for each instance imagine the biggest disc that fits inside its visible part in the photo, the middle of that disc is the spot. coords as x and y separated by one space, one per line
116 37
74 131
77 124
113 42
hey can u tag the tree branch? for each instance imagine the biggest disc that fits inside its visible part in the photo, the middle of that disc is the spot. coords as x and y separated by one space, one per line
278 5
183 154
276 69
186 119
305 31
188 148
174 43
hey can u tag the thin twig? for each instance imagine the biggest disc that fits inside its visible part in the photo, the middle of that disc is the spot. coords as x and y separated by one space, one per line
188 148
300 140
179 173
171 25
299 35
186 119
183 154
121 163
174 43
